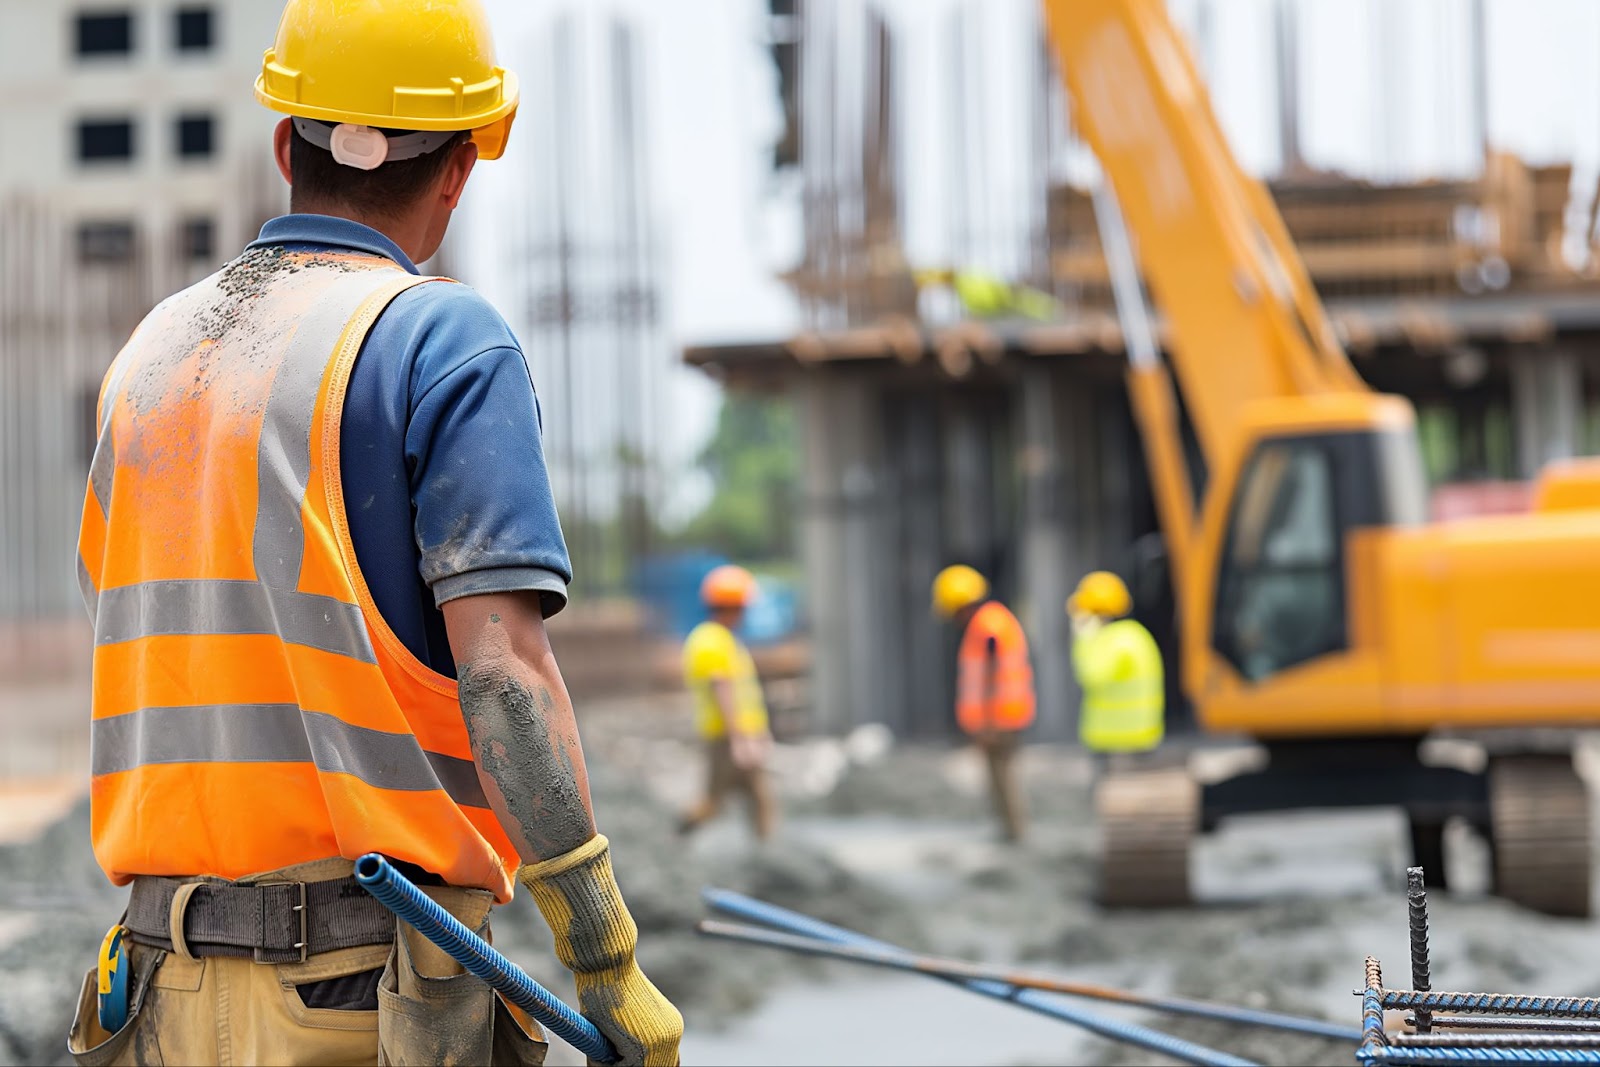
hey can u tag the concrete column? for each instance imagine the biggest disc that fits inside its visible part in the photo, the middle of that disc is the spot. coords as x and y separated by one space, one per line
1044 583
921 685
841 545
1082 505
1547 405
968 498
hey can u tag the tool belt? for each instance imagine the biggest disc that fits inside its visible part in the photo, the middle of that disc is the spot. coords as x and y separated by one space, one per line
271 922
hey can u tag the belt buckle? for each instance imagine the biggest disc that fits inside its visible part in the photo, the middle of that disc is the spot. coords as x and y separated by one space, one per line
299 910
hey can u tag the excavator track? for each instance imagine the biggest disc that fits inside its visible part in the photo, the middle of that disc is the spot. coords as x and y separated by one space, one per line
1147 819
1539 826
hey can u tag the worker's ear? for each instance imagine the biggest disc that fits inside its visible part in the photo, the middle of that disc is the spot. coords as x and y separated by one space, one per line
282 135
454 181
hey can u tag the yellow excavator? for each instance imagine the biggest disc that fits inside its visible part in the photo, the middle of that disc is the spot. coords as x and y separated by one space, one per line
1318 611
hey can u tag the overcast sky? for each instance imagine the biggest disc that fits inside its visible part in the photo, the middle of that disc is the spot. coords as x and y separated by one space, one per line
1385 87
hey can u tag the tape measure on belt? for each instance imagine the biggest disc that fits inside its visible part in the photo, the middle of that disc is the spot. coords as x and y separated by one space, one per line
113 972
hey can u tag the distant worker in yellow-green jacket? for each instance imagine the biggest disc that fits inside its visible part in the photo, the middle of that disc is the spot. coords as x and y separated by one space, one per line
987 296
1118 667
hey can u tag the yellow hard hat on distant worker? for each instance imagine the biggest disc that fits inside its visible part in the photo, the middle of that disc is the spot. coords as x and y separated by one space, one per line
958 587
399 64
1101 593
728 586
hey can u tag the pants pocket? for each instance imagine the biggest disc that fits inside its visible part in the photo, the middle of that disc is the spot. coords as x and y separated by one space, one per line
435 1020
91 1045
518 1040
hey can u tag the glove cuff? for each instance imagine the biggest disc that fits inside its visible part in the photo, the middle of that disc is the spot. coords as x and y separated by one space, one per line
578 896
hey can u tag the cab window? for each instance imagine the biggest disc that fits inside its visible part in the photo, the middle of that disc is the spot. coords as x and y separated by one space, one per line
1280 592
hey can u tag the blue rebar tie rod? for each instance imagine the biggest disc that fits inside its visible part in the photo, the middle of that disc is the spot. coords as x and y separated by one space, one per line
411 905
752 910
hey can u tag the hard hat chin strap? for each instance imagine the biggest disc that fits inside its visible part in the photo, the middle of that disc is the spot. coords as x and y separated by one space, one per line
367 147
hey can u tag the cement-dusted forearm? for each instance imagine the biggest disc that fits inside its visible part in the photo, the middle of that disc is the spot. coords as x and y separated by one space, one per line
521 725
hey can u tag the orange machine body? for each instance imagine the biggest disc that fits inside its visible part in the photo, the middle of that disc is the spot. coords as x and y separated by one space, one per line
1489 622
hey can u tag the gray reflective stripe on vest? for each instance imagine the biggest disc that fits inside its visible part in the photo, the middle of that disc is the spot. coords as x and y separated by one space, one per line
279 733
101 472
218 606
1138 693
101 467
86 589
283 454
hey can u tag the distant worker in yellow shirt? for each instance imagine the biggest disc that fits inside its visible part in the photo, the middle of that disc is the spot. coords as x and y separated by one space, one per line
730 713
1119 670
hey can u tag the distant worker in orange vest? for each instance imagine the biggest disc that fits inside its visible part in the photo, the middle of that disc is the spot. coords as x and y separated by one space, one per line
318 550
994 682
730 713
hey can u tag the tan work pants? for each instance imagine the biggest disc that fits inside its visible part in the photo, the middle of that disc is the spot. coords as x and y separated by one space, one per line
723 777
229 1010
999 750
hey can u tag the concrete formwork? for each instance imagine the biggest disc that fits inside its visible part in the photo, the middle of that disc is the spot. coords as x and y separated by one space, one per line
1019 474
1028 466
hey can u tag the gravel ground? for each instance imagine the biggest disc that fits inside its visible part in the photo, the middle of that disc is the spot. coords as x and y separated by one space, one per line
904 849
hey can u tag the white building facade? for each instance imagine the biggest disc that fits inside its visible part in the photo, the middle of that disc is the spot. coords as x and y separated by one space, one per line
133 160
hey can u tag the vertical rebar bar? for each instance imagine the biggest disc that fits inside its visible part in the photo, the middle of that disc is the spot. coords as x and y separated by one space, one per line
1417 907
1372 1009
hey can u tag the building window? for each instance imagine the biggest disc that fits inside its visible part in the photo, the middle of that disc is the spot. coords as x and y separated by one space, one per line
101 140
197 239
105 34
195 29
106 241
196 136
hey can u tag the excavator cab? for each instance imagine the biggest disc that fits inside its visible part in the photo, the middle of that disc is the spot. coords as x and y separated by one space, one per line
1279 562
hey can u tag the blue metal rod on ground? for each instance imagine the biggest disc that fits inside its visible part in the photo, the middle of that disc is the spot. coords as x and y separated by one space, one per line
936 967
395 892
743 907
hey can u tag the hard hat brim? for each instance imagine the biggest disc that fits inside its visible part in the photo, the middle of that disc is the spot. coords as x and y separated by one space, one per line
497 119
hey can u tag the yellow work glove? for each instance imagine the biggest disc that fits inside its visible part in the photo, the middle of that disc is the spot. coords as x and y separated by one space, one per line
595 936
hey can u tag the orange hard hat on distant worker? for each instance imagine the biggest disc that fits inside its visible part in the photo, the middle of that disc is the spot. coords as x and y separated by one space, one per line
728 586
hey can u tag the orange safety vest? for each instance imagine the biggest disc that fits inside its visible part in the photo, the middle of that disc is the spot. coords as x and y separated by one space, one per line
252 710
1005 701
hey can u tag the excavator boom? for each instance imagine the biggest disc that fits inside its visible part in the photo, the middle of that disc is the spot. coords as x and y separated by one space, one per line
1318 611
1224 272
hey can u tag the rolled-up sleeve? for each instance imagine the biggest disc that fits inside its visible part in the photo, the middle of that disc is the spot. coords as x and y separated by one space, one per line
485 515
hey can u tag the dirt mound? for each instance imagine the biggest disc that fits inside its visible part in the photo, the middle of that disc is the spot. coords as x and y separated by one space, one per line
55 906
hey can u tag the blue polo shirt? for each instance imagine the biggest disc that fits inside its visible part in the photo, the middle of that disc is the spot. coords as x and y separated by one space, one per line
444 475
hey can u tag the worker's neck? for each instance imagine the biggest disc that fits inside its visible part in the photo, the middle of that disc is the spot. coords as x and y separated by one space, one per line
409 230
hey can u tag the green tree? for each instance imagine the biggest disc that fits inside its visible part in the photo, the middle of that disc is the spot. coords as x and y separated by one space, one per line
753 459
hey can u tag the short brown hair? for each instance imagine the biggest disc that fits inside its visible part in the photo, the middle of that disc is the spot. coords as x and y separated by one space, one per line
383 192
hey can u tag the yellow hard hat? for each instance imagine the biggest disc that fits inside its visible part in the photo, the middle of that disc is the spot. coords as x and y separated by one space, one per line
728 586
400 64
1101 593
929 276
957 587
